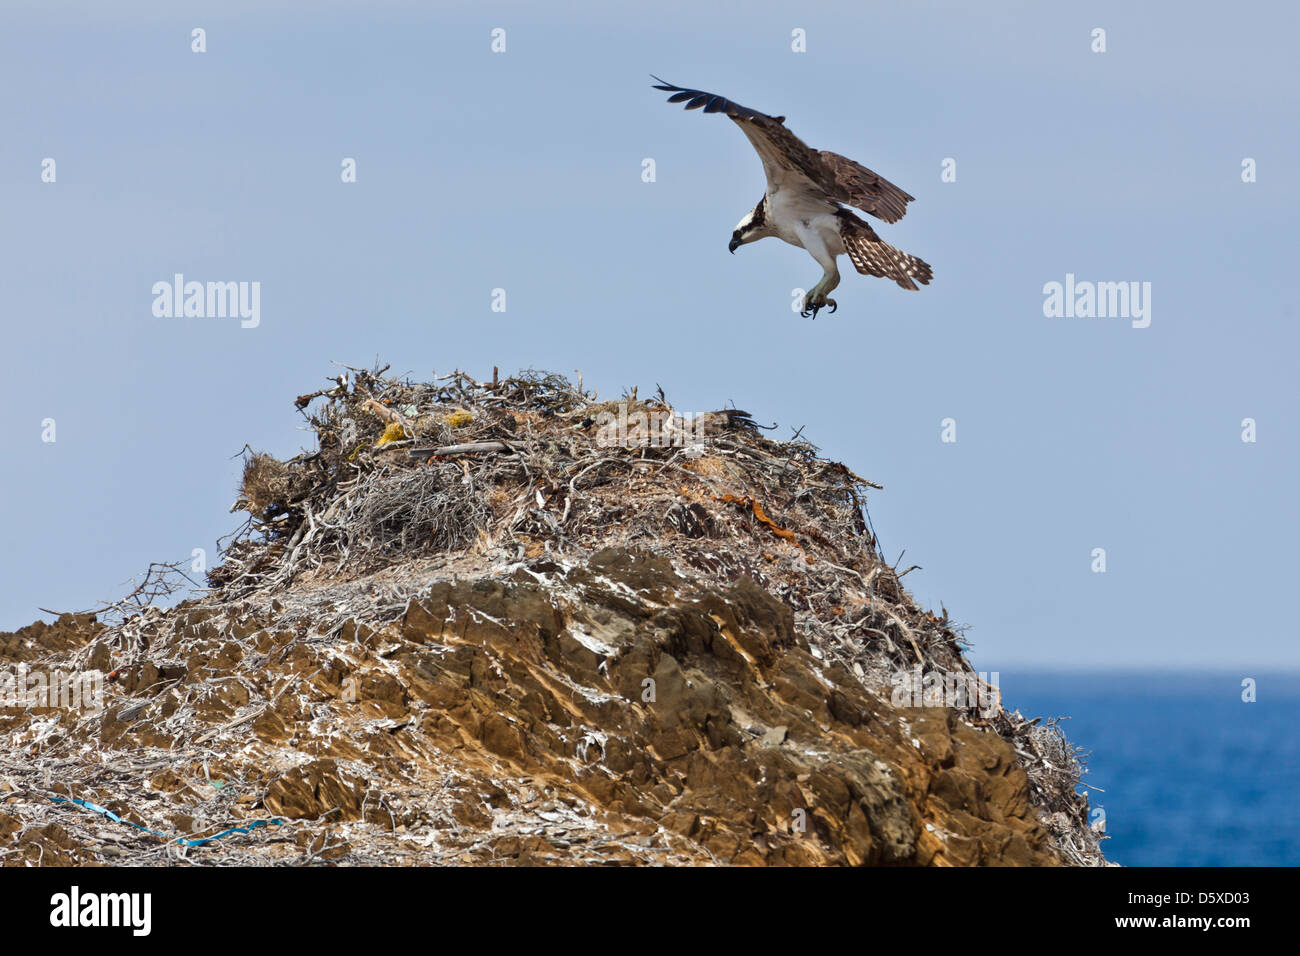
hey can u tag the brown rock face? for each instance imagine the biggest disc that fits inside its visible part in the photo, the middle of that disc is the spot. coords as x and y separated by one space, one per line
697 714
40 639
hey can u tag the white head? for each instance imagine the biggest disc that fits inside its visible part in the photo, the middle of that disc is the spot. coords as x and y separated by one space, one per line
753 226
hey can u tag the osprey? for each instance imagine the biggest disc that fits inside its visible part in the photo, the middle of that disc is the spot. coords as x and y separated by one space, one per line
804 204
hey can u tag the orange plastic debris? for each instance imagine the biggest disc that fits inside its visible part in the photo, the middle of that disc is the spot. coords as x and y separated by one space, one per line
761 515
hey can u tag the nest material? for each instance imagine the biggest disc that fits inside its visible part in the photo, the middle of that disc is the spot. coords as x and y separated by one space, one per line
266 482
527 462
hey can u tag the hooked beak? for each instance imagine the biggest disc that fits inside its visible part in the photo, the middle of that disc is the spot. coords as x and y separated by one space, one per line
731 246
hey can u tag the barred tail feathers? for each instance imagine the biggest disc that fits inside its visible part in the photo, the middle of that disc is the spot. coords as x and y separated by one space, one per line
872 256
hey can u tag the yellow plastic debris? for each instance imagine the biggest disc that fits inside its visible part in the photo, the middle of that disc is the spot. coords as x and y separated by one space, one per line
459 418
394 432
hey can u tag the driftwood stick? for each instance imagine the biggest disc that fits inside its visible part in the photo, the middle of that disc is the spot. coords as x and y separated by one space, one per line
383 411
469 448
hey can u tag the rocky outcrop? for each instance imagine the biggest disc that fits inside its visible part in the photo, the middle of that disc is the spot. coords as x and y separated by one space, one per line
607 705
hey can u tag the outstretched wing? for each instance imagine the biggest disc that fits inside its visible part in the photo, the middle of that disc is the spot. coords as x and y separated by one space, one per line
787 158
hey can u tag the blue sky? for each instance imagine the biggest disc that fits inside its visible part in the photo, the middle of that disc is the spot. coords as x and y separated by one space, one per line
522 171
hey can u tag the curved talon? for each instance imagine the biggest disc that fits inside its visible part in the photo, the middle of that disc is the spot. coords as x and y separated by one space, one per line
816 300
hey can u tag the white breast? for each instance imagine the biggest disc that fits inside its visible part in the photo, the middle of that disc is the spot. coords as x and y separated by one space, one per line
798 217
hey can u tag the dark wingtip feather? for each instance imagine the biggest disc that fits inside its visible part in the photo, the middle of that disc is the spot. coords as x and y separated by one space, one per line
712 102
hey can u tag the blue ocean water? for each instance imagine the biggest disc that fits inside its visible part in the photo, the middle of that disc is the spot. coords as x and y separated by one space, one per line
1193 775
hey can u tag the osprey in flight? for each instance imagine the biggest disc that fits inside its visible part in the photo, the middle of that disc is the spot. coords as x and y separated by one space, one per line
807 190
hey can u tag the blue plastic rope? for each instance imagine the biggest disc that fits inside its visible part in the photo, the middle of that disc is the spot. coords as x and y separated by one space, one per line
104 811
